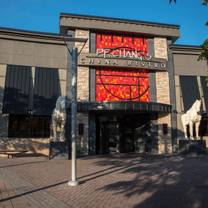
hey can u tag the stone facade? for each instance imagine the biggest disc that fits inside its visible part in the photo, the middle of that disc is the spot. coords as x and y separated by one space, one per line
82 72
3 118
32 145
62 79
83 94
160 47
163 96
164 139
162 79
162 87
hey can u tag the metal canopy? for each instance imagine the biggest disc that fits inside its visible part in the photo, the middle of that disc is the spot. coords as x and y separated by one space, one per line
124 106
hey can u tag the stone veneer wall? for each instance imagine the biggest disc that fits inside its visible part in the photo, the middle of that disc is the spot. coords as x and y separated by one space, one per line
83 94
3 118
62 80
32 145
83 72
163 96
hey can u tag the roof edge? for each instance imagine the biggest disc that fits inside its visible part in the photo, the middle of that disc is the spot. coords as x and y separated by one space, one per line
29 32
184 46
114 19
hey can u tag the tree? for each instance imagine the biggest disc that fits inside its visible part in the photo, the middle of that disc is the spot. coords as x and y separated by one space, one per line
204 53
204 2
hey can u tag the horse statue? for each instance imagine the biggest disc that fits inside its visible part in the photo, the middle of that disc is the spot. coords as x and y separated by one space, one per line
191 117
59 119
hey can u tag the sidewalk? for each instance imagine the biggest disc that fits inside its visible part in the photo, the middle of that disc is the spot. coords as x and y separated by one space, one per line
129 181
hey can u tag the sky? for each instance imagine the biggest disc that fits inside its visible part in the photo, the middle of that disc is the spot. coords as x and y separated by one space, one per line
43 15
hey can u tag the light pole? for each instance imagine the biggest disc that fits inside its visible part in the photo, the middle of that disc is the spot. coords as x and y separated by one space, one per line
74 59
74 54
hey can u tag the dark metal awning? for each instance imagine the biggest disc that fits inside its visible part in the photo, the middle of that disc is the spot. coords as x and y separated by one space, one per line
22 96
124 106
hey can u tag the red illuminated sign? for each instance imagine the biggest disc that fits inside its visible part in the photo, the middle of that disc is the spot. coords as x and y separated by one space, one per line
121 84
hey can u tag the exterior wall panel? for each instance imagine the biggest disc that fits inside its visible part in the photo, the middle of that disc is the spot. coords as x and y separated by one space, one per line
32 54
188 64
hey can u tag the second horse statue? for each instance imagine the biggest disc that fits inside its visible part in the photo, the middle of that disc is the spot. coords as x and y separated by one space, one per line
192 118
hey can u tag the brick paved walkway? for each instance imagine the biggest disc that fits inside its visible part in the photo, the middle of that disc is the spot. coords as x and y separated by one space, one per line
129 181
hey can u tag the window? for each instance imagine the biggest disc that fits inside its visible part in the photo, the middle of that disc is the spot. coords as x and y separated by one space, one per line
81 129
203 128
165 128
22 95
22 126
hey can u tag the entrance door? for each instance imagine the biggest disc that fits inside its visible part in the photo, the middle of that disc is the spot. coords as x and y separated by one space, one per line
109 137
126 137
123 133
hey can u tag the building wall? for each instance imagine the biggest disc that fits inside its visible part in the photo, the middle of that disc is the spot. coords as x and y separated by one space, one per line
34 145
83 72
163 96
39 51
186 63
20 52
83 94
3 118
179 107
35 52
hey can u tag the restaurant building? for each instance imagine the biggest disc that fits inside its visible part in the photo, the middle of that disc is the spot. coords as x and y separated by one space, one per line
133 85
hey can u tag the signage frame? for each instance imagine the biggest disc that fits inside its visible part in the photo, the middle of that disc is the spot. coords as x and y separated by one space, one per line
100 60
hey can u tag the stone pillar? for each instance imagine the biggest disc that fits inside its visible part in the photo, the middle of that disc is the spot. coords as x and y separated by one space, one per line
3 118
82 139
163 96
82 72
62 81
83 95
164 139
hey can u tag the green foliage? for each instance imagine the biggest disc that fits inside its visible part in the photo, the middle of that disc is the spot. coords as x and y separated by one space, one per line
204 53
204 2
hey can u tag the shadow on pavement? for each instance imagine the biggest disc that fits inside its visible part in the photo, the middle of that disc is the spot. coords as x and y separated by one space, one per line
162 182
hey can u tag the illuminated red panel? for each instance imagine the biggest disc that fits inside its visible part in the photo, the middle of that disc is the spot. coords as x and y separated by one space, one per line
114 41
121 84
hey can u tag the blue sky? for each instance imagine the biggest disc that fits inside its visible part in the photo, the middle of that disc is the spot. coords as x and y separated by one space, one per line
43 15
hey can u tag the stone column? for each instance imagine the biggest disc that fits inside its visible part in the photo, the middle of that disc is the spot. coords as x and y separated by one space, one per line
179 108
83 94
163 96
3 118
62 81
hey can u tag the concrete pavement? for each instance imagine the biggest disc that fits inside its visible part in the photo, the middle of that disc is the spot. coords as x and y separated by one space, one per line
130 181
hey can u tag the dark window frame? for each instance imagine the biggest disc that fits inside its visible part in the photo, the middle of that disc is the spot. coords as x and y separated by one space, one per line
29 126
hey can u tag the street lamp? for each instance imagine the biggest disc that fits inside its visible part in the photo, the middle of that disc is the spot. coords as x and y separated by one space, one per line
74 58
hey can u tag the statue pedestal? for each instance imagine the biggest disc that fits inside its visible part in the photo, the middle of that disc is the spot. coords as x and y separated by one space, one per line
58 150
192 146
